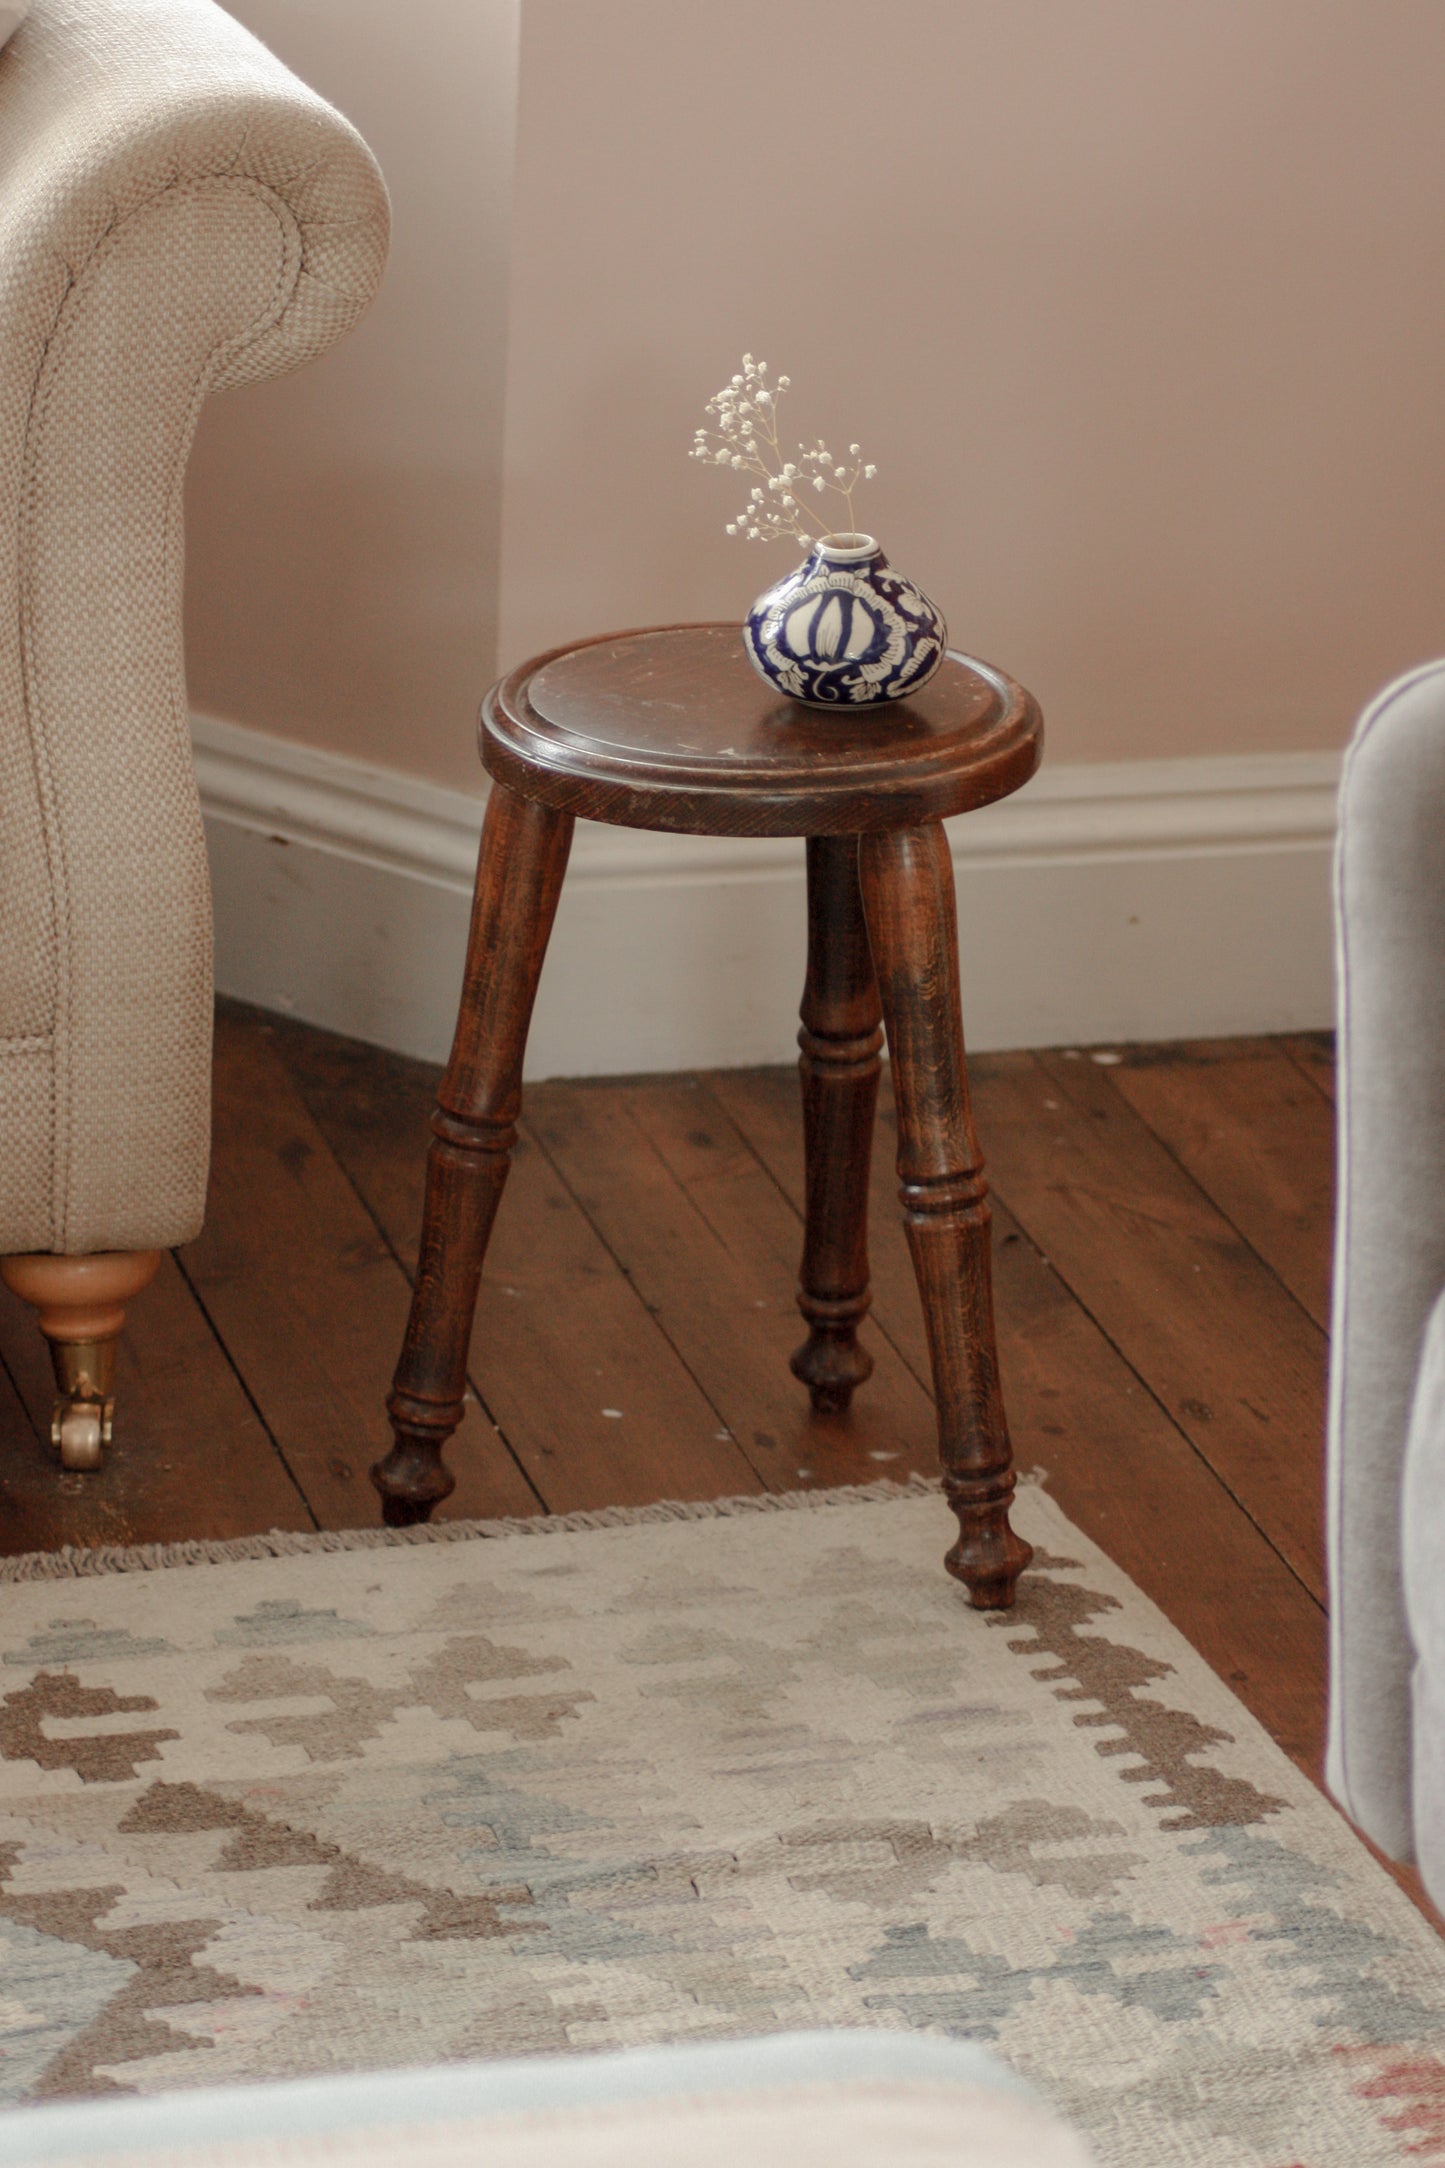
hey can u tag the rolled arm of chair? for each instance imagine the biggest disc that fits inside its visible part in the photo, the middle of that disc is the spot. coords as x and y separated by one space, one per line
177 214
1390 1243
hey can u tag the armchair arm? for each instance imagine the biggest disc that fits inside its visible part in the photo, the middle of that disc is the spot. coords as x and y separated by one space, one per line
1390 1243
177 214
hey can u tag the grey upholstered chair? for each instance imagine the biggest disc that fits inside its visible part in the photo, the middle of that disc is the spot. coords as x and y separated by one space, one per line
1387 1387
177 214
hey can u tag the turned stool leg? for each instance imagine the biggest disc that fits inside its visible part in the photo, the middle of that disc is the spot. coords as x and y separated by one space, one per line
81 1303
839 1066
907 882
519 879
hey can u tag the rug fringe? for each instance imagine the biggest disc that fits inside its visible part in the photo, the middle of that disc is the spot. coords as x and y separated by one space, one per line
77 1563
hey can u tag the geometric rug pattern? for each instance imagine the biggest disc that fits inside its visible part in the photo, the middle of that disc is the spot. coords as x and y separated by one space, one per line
688 1775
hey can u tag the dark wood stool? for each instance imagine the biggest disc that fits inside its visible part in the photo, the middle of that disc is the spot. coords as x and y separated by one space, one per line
671 729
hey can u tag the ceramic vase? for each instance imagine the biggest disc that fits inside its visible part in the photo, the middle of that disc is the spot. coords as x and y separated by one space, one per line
844 630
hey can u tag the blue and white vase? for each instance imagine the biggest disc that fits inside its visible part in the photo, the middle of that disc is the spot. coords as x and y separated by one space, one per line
844 630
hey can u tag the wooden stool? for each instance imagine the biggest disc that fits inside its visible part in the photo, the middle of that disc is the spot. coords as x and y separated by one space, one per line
672 729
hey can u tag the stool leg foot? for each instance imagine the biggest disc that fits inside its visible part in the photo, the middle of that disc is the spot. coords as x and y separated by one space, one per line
520 866
839 1065
907 882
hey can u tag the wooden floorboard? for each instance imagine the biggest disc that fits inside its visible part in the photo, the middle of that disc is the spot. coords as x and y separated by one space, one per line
712 1247
1226 1350
1313 1053
566 1357
1258 1138
309 1300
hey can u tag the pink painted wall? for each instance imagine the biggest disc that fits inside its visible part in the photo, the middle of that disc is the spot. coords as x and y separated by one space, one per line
343 524
1140 309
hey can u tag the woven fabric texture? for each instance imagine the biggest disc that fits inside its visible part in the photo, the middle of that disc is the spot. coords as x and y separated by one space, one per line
177 214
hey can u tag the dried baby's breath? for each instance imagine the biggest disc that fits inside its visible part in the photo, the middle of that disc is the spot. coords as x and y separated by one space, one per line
746 439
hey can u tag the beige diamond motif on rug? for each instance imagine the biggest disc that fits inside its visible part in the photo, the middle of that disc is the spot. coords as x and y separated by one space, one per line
381 1801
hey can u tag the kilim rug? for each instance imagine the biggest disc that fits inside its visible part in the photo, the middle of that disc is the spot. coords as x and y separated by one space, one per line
692 1774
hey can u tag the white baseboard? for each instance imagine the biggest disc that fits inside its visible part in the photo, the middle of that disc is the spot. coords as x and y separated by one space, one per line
1129 900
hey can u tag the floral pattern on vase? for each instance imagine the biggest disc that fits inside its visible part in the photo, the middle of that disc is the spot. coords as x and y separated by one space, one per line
844 629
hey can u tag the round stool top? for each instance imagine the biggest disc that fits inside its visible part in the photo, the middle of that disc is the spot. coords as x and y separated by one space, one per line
673 728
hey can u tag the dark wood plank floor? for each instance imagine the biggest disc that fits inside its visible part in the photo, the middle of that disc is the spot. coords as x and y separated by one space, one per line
1162 1255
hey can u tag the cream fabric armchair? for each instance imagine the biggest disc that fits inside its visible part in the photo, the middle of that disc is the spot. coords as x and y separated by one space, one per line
177 214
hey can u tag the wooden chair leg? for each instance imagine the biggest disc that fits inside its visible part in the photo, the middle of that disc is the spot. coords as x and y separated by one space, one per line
81 1304
907 883
520 866
839 1065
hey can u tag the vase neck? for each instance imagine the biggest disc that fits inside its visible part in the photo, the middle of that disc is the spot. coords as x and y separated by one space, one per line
845 549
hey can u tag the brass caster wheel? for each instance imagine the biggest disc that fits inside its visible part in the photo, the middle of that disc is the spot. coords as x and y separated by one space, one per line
81 1305
80 1431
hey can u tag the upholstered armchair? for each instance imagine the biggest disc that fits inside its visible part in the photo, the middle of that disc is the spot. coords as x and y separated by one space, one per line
1387 1380
178 214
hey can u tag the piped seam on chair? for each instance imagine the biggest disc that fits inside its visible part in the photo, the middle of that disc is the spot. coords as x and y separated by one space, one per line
54 354
1338 1770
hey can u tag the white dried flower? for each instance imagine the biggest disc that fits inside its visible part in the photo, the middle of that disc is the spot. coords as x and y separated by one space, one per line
746 439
